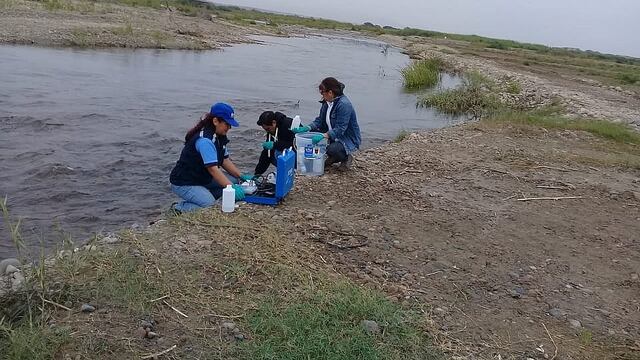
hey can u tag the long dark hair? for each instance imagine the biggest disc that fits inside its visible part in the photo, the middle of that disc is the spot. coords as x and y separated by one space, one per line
332 84
205 121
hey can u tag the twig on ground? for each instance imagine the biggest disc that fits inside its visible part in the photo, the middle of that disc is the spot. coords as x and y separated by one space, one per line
435 272
192 222
555 353
461 292
153 356
552 187
501 172
160 298
510 197
174 309
554 168
224 316
56 304
550 198
346 247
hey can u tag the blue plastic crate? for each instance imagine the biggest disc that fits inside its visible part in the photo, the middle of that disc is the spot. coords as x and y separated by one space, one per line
284 180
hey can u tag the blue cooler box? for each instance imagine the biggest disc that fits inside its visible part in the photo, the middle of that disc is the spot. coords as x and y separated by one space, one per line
286 163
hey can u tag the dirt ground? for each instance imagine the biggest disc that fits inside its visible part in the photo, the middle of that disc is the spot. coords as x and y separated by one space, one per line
438 219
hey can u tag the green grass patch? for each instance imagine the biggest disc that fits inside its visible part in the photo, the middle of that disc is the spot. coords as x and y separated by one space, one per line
325 323
473 97
551 118
82 38
513 87
422 74
31 342
401 136
125 30
629 78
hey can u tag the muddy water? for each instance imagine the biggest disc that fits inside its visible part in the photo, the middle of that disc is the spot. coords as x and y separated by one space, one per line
88 137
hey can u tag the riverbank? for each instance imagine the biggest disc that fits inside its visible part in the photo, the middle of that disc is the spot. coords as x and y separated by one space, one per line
490 238
88 24
586 88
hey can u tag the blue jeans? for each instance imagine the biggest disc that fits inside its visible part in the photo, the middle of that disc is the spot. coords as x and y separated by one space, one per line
195 197
337 152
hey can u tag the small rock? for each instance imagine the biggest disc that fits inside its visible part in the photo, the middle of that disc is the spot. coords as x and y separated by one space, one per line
440 311
377 273
634 277
17 281
228 325
151 335
6 262
575 323
87 308
239 337
11 269
556 313
517 293
150 325
110 240
140 333
370 326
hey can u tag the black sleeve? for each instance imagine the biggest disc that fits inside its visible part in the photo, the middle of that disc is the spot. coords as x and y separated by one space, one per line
263 163
285 135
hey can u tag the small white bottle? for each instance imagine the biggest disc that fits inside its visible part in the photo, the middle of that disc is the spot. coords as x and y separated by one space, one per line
228 199
296 122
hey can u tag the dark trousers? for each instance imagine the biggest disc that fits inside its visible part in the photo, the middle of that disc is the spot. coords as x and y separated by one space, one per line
264 161
337 152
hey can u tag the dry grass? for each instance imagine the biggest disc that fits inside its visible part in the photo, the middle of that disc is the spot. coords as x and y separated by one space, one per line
192 273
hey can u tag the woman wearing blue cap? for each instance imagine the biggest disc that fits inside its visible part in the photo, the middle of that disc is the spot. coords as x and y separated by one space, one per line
197 176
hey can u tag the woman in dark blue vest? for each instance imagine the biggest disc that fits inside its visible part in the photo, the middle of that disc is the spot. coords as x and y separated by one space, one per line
197 177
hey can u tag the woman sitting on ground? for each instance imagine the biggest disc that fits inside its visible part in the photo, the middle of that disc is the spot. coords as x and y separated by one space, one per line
197 176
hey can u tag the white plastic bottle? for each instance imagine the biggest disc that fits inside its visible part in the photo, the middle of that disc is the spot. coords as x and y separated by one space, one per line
296 122
228 199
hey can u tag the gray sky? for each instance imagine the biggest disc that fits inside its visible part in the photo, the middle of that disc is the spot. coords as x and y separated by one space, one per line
611 26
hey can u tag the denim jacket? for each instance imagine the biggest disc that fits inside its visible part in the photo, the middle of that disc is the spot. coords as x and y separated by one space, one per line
344 124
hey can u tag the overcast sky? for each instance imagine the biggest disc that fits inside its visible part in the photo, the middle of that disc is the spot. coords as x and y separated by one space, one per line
611 26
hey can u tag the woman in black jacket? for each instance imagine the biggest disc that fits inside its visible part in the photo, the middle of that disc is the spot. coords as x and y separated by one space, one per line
278 137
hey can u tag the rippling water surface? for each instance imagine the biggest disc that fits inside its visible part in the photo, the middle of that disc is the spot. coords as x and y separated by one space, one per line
88 137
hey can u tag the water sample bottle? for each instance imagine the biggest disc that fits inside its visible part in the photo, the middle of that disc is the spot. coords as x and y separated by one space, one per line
296 122
228 199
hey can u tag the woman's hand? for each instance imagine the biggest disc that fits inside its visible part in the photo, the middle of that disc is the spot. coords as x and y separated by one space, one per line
267 145
247 177
239 192
301 129
317 138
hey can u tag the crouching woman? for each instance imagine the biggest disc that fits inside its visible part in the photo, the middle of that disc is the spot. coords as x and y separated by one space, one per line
198 176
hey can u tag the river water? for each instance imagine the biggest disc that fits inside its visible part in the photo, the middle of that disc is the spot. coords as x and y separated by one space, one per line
88 137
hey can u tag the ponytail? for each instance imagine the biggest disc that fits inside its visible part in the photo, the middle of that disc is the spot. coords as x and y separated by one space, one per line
204 121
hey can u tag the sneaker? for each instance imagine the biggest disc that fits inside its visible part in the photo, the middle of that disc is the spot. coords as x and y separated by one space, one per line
328 162
172 211
346 165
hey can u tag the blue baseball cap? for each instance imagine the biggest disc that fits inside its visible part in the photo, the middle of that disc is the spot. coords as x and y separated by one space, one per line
225 112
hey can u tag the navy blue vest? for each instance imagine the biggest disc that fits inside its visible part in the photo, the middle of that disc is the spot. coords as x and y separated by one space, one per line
190 169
